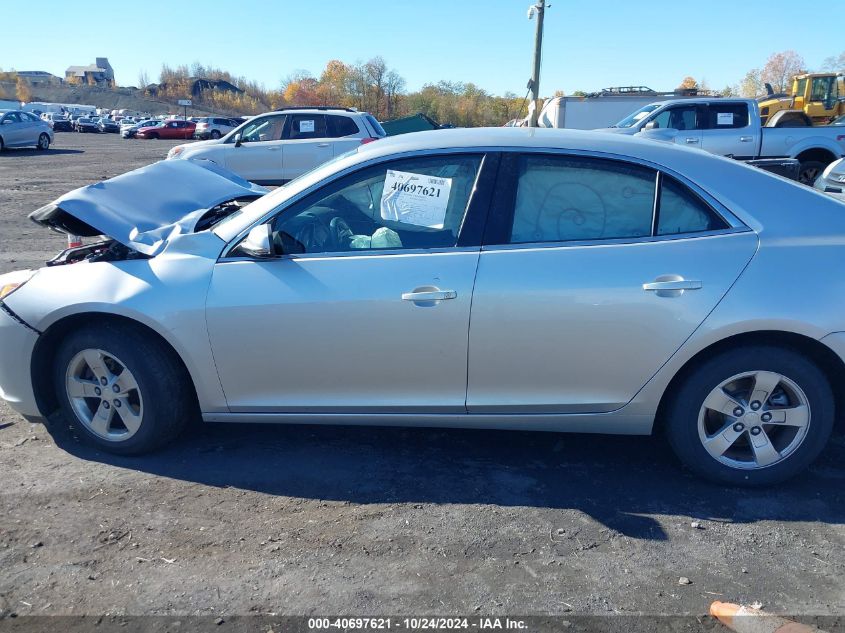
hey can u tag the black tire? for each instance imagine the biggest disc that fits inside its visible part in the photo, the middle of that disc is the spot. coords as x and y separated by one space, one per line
162 381
809 171
152 136
215 134
682 413
43 142
2 145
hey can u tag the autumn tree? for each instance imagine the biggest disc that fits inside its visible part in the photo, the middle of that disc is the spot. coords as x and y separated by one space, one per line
751 85
688 83
143 79
22 90
780 68
835 64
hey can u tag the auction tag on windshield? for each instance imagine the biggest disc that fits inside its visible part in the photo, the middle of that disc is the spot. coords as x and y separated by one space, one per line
415 198
306 126
725 118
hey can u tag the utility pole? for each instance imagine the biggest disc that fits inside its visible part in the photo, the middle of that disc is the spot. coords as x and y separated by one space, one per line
534 83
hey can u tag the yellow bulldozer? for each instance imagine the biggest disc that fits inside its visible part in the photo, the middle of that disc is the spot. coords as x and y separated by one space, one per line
815 99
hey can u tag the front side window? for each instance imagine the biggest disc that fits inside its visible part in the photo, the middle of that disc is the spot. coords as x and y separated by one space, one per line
680 118
414 203
561 199
11 117
268 128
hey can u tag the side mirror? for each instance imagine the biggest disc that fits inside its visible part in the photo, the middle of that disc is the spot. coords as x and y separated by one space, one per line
238 140
651 125
259 242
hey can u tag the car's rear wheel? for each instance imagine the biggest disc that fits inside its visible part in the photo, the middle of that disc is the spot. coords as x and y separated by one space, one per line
752 416
215 134
125 392
43 142
2 146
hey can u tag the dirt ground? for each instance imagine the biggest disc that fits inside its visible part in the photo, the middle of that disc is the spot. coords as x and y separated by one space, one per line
299 520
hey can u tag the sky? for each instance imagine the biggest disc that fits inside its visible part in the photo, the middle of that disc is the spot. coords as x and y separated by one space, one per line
588 44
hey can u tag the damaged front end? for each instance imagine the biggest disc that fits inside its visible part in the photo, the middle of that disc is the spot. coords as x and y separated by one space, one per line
139 212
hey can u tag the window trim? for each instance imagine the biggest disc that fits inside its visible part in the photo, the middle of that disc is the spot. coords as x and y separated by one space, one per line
470 233
503 204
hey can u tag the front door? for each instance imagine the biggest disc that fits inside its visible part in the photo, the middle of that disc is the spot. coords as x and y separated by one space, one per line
583 292
258 157
365 307
681 124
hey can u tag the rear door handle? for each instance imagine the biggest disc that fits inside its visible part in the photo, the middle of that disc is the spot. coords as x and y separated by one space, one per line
322 144
671 285
429 295
746 139
692 140
683 284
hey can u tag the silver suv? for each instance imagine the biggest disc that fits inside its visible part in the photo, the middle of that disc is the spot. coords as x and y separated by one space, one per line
278 146
214 127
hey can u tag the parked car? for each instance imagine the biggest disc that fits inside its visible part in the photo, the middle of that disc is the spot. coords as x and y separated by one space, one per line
107 125
170 129
59 122
832 179
731 127
130 129
22 129
502 278
214 127
276 147
87 124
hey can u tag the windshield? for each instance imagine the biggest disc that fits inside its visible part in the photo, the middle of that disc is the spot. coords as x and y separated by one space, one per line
639 115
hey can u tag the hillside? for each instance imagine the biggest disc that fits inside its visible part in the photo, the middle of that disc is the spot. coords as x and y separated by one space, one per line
111 98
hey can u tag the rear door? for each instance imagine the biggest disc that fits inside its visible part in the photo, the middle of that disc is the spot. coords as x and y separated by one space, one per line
307 144
728 130
259 155
593 273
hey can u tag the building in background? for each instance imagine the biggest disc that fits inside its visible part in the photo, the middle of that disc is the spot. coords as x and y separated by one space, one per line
99 73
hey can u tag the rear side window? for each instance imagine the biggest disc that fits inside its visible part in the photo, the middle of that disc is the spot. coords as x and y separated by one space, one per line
561 199
304 126
727 116
341 126
681 211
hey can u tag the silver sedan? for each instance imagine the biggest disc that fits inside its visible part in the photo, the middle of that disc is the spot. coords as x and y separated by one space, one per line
511 278
23 129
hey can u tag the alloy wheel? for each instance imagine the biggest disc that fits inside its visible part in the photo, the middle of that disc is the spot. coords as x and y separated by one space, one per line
754 420
104 395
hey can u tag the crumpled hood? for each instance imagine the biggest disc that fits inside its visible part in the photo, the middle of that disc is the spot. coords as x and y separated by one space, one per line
144 208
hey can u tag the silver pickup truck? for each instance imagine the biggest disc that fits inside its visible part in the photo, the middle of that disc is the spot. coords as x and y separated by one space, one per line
731 127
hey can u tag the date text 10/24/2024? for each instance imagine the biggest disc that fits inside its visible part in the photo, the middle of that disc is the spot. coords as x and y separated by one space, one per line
418 623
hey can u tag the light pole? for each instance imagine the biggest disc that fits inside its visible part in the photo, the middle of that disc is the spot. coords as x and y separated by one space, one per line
538 9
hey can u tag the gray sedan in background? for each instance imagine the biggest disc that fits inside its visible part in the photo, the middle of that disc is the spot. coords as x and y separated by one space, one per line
505 278
23 129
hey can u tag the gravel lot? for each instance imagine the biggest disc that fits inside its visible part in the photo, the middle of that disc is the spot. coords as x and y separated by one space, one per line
299 520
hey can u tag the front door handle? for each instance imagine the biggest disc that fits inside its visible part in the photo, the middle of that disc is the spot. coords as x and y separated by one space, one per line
746 139
428 294
692 140
671 285
322 144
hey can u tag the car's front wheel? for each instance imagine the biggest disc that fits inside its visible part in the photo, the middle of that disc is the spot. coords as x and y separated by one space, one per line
125 392
751 416
215 134
43 142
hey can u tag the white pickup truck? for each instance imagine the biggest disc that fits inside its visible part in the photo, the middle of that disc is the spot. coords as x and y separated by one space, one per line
731 127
